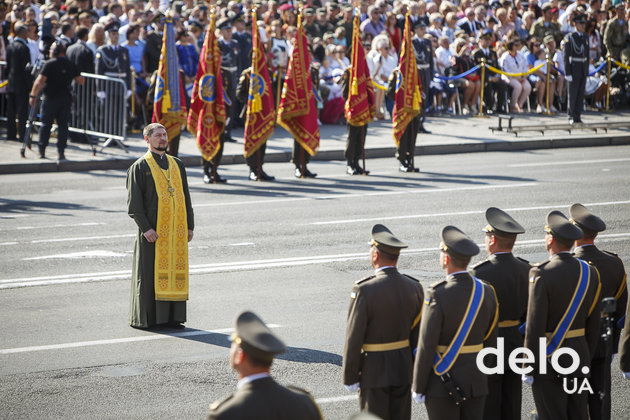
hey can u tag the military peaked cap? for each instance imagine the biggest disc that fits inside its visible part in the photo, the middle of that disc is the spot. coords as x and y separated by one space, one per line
457 242
255 338
112 27
501 223
580 18
559 225
225 23
384 240
584 219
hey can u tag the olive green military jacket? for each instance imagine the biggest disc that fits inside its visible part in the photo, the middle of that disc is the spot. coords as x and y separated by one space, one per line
384 308
539 30
615 37
444 309
551 287
612 276
265 399
508 275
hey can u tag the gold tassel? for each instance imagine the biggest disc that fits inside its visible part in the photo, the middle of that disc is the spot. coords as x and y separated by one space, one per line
166 101
256 103
355 86
416 99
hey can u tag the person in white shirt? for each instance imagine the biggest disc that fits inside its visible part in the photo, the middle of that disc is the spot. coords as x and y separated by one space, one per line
381 62
513 62
443 60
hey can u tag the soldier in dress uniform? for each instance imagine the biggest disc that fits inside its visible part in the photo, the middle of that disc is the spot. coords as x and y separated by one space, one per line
210 174
493 83
229 62
112 60
424 62
255 161
563 306
616 34
612 275
508 275
446 377
258 395
382 330
575 53
355 143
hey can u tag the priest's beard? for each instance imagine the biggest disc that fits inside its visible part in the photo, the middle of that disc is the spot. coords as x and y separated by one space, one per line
161 149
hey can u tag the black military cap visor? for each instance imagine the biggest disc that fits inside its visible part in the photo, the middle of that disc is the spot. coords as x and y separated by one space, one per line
384 240
255 338
559 225
584 219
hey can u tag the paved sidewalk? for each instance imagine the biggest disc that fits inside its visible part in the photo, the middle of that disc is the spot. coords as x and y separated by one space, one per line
449 134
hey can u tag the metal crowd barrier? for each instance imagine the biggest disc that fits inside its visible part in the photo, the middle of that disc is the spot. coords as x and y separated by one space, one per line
100 109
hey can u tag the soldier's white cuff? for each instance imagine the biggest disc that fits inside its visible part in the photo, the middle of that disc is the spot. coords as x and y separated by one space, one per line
568 78
626 374
529 380
353 387
419 398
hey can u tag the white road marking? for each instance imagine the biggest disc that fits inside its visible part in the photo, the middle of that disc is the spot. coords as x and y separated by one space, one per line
56 226
8 243
328 400
459 213
14 216
249 265
367 194
84 238
151 337
242 244
75 255
568 162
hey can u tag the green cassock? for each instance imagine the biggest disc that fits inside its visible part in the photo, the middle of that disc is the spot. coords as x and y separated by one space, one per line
142 205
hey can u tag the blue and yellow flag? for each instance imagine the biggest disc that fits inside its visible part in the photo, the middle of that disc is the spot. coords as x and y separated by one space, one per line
169 102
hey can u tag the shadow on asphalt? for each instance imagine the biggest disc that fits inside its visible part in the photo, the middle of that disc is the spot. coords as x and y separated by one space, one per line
25 206
293 354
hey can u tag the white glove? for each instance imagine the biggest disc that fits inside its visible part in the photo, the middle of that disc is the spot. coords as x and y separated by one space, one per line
529 380
568 78
101 95
128 94
419 398
353 387
626 374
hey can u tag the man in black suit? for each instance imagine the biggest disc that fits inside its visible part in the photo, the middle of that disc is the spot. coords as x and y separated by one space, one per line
467 23
153 44
20 82
493 82
79 53
258 395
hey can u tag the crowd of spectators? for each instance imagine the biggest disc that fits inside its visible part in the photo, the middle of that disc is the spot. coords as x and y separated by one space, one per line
519 33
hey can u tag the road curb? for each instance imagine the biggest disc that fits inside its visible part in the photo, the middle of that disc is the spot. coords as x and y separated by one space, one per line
370 153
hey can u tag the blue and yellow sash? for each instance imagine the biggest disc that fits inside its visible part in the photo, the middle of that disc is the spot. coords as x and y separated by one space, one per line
442 364
557 337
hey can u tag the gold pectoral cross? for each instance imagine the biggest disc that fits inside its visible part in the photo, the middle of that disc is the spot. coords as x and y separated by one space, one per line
171 190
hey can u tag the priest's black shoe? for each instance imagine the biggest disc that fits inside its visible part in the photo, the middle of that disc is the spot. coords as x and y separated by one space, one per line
266 177
309 174
218 180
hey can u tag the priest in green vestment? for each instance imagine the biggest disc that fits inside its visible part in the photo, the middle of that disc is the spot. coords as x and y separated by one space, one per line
159 202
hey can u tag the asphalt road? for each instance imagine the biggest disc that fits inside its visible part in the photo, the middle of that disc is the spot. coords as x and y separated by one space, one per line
288 250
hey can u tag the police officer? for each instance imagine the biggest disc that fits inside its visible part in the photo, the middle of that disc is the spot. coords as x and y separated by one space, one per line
229 62
20 83
424 62
446 376
255 161
112 60
616 33
210 174
508 275
612 275
355 143
258 395
575 52
55 80
381 331
564 307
